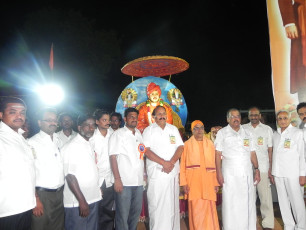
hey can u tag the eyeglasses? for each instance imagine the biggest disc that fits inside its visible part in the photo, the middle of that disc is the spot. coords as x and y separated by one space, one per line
283 118
238 117
50 121
254 115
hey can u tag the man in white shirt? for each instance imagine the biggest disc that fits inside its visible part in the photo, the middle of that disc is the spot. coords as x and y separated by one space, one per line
288 169
164 148
99 141
82 192
17 174
115 121
234 145
262 136
49 210
126 151
66 123
301 110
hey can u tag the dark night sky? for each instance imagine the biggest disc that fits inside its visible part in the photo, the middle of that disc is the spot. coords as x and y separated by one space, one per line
225 43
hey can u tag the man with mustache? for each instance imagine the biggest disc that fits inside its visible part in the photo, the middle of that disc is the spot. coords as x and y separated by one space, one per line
236 150
164 148
288 169
17 174
49 210
99 141
262 135
66 123
126 151
82 192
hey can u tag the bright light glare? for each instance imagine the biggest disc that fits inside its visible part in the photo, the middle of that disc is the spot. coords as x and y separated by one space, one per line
51 94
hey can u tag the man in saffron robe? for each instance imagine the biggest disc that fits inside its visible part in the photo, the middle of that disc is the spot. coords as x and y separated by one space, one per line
199 180
145 111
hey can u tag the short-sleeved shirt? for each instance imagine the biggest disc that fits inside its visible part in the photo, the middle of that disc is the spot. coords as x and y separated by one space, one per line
128 148
288 153
164 143
262 136
17 173
236 148
100 146
48 160
80 161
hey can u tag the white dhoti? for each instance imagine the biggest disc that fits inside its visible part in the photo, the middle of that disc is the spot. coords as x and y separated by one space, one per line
163 203
238 201
291 200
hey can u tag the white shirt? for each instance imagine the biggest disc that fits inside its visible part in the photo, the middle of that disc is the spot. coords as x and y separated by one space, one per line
111 129
164 143
262 136
48 160
79 160
64 139
125 144
236 148
288 153
100 146
17 174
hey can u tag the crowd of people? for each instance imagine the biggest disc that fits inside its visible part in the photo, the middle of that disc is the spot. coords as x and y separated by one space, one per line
93 177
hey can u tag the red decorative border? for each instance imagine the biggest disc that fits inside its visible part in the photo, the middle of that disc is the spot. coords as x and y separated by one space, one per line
156 66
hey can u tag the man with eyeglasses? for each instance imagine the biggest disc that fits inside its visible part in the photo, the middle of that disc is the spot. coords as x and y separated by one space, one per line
262 135
49 211
235 146
288 169
199 180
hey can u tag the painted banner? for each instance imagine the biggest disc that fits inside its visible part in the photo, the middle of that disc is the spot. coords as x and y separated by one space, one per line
287 30
138 94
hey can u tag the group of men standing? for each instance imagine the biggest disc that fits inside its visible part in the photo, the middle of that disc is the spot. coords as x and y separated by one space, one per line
57 180
251 157
75 180
53 180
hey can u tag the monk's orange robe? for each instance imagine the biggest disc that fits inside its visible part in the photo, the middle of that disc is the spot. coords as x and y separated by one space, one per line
198 171
143 117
